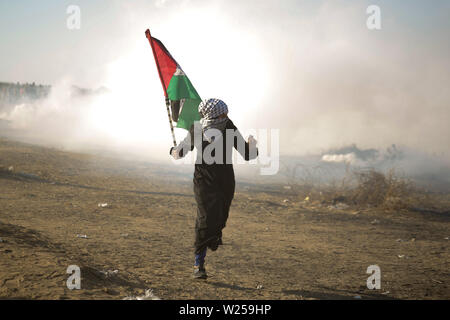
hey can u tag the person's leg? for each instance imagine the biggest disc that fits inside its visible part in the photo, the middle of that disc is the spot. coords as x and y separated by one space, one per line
199 265
200 259
201 232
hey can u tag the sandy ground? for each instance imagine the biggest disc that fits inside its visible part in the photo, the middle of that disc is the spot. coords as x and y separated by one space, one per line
273 248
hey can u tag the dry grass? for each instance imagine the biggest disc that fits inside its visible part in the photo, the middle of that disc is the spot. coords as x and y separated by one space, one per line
383 190
369 188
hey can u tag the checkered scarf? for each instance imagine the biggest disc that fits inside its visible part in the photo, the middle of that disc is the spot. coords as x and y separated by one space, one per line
210 110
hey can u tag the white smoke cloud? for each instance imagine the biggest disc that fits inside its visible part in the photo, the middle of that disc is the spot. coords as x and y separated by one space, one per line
106 121
311 69
345 158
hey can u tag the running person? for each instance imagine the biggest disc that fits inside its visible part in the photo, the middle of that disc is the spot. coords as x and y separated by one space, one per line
214 182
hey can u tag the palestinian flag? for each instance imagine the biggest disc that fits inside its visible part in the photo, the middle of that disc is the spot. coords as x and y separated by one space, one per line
183 97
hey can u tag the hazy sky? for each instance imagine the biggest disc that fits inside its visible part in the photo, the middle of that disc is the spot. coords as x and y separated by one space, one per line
309 68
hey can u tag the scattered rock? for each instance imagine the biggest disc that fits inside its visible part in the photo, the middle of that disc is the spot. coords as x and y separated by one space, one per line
285 200
109 273
341 206
339 199
147 296
6 170
375 221
111 291
102 205
259 287
338 206
401 256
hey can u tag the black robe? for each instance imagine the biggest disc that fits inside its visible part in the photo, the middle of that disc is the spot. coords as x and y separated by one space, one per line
214 187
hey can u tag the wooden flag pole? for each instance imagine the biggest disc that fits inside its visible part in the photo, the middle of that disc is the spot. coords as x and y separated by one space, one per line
170 122
149 37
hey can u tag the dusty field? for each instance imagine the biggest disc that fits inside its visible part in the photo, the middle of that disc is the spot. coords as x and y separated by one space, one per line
273 249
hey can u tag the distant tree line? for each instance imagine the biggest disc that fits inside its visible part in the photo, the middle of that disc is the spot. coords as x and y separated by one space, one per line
14 93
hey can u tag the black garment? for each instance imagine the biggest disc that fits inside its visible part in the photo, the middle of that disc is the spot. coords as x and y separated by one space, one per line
214 186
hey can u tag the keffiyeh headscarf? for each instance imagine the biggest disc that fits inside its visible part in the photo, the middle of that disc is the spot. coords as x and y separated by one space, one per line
211 109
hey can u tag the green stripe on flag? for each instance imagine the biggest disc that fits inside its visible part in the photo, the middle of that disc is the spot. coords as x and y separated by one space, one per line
180 87
189 114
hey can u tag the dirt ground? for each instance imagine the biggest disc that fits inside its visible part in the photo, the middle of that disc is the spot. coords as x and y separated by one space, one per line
275 245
